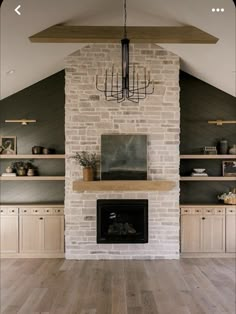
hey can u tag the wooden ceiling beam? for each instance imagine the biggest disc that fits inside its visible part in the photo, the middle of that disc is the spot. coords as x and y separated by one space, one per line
113 34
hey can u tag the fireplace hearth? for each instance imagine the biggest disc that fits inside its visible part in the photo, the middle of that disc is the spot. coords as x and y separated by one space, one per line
122 221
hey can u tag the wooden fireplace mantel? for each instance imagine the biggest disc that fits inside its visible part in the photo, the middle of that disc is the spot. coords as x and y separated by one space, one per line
123 185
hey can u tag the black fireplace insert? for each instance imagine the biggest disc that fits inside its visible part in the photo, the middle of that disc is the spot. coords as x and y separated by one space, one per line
122 221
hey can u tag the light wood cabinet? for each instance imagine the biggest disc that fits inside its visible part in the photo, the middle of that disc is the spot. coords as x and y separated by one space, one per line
9 230
191 233
231 230
32 232
203 230
213 233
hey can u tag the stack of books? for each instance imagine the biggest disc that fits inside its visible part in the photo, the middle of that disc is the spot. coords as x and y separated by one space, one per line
5 174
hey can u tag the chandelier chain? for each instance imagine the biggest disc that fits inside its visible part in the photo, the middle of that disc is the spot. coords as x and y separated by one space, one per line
125 19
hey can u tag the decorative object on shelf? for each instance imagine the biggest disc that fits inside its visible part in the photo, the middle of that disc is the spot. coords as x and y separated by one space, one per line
89 162
9 169
223 147
47 151
228 198
210 150
36 150
199 172
8 144
229 168
21 168
22 121
221 122
129 86
232 150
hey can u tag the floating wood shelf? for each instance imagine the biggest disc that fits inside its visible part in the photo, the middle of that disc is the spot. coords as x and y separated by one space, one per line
33 178
208 156
123 185
206 205
31 156
207 178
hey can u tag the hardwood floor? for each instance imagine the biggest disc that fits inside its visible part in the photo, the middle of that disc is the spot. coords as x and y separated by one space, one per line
57 286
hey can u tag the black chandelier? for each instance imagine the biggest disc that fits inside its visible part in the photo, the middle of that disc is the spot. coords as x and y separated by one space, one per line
129 86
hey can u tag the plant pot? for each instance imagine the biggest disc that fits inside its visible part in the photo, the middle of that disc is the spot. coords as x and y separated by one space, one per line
37 150
21 172
88 174
9 169
30 172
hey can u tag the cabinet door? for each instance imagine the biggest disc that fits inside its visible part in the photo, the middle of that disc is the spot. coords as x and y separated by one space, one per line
9 234
31 234
53 234
190 233
213 233
230 233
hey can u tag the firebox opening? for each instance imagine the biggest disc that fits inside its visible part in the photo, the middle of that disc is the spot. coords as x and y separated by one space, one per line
122 221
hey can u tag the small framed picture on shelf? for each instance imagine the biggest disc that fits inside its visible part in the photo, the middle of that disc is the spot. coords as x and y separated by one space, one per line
8 145
229 168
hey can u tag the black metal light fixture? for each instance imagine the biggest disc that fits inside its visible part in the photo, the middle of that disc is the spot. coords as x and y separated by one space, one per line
128 86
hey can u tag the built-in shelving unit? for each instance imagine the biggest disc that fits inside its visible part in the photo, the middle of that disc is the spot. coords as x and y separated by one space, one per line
208 156
33 178
207 178
30 156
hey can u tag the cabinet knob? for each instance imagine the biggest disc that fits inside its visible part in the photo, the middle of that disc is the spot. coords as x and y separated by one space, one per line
203 218
41 218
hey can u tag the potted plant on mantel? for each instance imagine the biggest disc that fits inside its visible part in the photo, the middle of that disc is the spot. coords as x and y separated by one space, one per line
88 161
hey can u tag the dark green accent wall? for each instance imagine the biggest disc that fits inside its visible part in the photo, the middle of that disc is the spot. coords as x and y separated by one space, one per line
43 101
199 103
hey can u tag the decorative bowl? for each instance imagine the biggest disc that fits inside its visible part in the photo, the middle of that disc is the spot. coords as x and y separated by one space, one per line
199 170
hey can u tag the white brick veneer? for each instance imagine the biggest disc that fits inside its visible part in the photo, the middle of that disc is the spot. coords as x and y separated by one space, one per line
88 115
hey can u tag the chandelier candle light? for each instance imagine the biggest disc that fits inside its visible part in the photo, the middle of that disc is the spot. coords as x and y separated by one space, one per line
128 87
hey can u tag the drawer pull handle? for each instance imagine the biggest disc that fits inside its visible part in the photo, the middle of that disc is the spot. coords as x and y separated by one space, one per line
197 211
186 211
47 211
1 211
25 211
41 218
203 218
13 211
231 211
36 211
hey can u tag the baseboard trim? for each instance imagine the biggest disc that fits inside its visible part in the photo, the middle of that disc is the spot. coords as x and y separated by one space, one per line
208 255
33 255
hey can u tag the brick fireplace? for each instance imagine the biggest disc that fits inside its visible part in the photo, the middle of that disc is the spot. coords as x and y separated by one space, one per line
88 116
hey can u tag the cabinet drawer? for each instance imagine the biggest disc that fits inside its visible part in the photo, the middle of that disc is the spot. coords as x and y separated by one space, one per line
48 211
3 211
197 211
219 211
231 211
58 211
12 211
208 211
36 211
25 211
186 211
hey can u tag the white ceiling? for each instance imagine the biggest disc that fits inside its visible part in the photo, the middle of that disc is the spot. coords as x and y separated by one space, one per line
32 62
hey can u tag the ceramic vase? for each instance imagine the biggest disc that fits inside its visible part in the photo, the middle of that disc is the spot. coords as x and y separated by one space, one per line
88 174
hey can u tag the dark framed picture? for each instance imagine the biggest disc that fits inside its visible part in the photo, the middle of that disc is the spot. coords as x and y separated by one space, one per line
229 168
123 157
8 145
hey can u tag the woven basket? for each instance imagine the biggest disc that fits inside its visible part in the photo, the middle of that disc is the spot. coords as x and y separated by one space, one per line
230 201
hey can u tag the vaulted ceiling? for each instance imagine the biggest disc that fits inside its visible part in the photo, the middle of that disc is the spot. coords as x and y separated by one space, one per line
32 62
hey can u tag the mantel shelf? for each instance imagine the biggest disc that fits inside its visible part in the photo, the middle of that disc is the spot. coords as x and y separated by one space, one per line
31 156
123 185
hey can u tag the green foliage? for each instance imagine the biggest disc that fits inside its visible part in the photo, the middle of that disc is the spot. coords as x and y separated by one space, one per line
86 159
22 165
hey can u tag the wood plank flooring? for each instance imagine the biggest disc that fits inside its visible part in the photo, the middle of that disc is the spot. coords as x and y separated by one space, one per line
57 286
